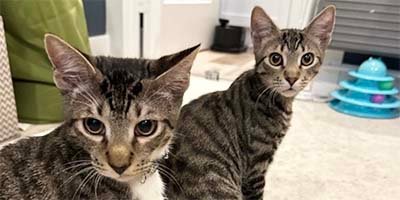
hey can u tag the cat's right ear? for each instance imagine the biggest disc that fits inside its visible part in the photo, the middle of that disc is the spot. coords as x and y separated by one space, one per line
321 27
262 27
175 80
71 68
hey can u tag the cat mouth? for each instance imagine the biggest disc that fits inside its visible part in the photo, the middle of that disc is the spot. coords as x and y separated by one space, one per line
129 176
139 177
122 177
289 92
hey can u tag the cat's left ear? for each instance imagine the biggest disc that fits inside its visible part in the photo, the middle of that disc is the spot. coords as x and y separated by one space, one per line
175 80
321 27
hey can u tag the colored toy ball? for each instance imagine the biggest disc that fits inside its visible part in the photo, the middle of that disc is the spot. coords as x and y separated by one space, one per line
377 98
385 85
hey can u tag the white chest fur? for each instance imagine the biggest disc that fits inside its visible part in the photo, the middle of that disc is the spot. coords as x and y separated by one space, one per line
152 189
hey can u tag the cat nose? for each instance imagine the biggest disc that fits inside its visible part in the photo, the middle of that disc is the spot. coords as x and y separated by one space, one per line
119 170
291 80
119 157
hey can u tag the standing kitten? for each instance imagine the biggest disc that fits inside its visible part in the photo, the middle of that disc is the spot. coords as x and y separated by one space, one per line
119 117
226 140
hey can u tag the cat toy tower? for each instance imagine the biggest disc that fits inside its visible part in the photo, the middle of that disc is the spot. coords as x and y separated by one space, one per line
371 94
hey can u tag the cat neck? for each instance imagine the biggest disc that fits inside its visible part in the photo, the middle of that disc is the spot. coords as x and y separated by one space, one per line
151 189
264 99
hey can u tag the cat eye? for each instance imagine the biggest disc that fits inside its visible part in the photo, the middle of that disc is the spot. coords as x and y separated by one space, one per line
307 59
145 128
275 59
93 126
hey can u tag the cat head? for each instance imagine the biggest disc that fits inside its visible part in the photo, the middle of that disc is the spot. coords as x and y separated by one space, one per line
120 111
289 59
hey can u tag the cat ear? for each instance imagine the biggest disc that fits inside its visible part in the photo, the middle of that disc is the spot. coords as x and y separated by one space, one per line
321 27
262 27
174 82
71 68
163 64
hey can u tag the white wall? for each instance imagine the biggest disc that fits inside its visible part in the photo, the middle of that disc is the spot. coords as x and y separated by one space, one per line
239 12
187 24
173 25
285 13
122 34
169 26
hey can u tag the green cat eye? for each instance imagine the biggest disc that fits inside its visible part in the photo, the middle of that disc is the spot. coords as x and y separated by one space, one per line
145 128
93 126
307 59
275 59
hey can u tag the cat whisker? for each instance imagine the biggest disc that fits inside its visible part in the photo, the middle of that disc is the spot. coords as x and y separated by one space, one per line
77 153
83 183
170 154
97 183
76 174
73 167
77 161
274 95
178 134
137 172
260 95
169 174
142 169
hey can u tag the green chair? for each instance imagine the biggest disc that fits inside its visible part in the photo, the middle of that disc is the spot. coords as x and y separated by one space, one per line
26 22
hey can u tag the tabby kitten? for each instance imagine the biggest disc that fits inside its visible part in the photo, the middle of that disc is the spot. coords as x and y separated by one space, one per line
226 140
119 117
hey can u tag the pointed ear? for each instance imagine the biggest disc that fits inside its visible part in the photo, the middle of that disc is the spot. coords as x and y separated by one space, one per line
262 27
163 64
71 68
174 82
321 27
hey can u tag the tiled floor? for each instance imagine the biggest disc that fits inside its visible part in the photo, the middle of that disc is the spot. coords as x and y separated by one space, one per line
326 155
229 65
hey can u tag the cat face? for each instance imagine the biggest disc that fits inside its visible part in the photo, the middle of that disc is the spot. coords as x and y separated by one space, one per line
121 111
288 59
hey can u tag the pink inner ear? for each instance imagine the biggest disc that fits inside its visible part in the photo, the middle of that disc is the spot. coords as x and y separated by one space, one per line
262 28
71 68
261 22
321 27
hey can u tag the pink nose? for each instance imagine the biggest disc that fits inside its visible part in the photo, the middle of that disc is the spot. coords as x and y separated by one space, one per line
291 80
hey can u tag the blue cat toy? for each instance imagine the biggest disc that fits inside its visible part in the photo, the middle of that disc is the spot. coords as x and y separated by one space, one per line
371 94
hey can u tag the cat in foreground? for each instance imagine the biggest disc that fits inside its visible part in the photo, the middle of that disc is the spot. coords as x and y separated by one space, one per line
119 117
225 140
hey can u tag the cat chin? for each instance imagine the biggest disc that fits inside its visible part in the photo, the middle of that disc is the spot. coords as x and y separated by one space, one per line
289 93
122 178
128 179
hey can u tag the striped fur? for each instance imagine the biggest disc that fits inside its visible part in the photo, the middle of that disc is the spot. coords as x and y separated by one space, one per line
226 140
72 163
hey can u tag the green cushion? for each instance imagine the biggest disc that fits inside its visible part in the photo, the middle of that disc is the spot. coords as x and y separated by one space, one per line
25 24
38 102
